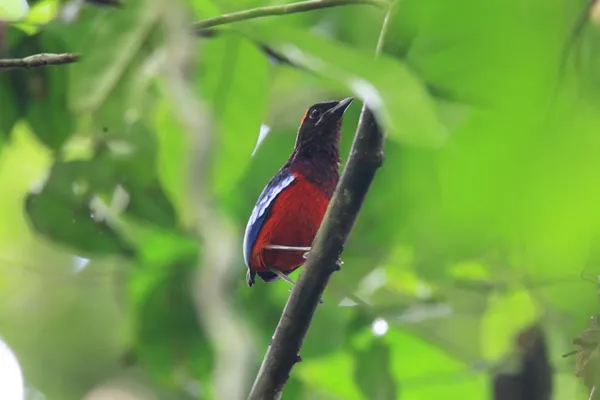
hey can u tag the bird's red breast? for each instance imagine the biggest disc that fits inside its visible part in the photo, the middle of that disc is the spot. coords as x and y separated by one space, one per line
295 217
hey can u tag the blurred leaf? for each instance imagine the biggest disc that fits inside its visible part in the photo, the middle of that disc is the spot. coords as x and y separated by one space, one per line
132 151
48 113
235 81
328 330
131 156
73 27
426 371
507 315
134 95
116 37
372 371
11 10
453 322
410 117
331 375
61 212
10 106
170 342
204 9
150 203
42 92
106 3
173 159
129 162
40 14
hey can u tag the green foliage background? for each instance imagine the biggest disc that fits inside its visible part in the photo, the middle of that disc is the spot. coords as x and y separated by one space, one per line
480 222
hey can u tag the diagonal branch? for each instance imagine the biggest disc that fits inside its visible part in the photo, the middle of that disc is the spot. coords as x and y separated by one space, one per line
366 156
533 380
38 60
293 8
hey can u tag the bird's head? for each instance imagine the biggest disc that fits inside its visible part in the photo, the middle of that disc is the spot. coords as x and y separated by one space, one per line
321 126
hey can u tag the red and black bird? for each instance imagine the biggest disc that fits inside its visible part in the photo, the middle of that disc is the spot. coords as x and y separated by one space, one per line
290 208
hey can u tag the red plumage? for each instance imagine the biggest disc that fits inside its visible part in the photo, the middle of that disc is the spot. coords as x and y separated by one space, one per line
295 218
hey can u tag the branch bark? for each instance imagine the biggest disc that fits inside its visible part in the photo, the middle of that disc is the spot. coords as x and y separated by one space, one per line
38 60
366 156
293 8
533 381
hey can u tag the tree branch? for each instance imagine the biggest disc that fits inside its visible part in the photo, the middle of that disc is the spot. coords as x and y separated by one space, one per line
366 156
533 381
293 8
38 60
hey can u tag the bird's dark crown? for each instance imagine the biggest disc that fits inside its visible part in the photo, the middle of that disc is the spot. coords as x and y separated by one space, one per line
316 153
319 132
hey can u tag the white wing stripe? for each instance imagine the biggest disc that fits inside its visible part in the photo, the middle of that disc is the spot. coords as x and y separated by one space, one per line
263 205
264 202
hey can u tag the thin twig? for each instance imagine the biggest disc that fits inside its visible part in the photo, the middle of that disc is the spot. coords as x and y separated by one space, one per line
293 8
366 156
38 60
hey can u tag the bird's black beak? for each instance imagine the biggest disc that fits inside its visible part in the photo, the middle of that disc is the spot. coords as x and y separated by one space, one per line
341 107
336 111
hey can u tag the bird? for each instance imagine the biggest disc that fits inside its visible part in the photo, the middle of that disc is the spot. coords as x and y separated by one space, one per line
289 210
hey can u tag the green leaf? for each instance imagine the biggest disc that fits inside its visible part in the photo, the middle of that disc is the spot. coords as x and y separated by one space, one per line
151 204
398 98
116 37
331 375
13 10
133 97
426 371
453 321
42 92
130 160
132 150
48 112
61 211
168 344
10 106
173 158
372 371
13 96
328 330
40 14
235 81
507 315
127 161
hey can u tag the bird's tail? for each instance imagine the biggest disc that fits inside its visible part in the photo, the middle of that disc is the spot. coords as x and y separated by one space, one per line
250 278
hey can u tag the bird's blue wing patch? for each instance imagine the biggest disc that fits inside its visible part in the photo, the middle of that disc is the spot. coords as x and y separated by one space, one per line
266 199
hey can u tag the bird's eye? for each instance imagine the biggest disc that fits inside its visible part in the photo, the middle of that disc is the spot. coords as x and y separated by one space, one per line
314 114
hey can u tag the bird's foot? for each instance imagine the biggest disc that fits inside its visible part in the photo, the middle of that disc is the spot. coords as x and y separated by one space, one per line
282 275
289 248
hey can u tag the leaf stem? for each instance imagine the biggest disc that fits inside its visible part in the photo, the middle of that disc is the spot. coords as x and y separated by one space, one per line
38 60
293 8
366 156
